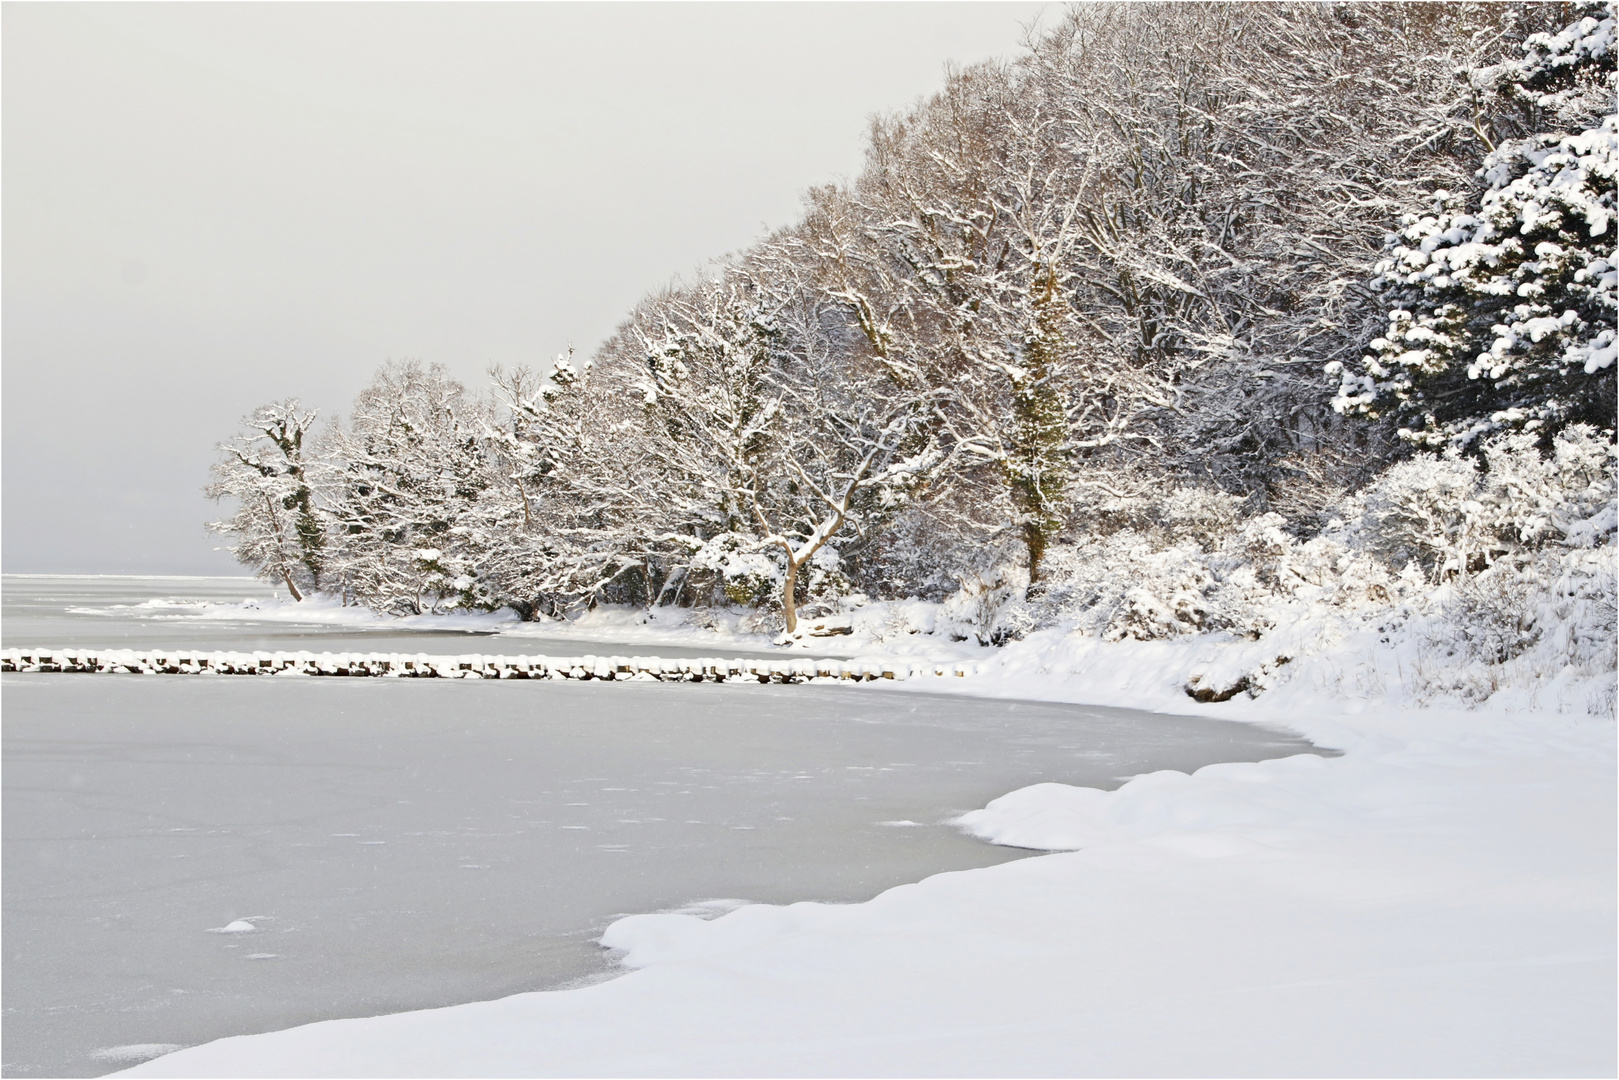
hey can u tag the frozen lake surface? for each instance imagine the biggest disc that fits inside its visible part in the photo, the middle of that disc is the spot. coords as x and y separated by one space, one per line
400 844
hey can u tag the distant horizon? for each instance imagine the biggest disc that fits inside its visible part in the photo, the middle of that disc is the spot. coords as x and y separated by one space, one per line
140 577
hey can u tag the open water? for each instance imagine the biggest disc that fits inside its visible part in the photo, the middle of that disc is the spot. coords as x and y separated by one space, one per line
406 844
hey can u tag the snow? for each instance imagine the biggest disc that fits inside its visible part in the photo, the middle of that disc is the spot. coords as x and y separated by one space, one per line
316 610
134 1052
1437 900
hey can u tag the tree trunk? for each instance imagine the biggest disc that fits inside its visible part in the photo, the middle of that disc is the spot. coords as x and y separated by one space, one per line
528 515
293 589
789 604
1034 537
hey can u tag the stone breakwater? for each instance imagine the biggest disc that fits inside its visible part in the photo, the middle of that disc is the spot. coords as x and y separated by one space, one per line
470 666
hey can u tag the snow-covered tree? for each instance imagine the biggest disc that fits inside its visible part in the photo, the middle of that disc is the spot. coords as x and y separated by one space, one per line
760 424
949 257
1056 350
1241 162
756 446
276 528
563 520
409 470
1502 301
1135 246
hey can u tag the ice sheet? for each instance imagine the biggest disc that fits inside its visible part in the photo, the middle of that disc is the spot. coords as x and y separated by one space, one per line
189 858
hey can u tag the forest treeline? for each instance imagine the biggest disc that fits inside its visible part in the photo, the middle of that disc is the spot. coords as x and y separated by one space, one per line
1187 304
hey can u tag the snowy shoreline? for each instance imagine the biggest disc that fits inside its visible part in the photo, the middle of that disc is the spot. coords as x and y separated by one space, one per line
1437 900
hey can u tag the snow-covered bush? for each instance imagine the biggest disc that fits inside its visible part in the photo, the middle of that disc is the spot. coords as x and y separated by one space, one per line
1425 521
1145 614
1451 517
1130 584
1491 616
979 608
1543 602
1534 498
1578 612
1199 515
827 588
1524 624
1190 562
746 576
1426 510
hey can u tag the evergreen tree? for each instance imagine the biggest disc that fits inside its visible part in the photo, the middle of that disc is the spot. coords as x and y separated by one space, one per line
1036 464
1502 305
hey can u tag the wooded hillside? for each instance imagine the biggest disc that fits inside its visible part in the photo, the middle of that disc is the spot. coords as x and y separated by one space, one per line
1189 310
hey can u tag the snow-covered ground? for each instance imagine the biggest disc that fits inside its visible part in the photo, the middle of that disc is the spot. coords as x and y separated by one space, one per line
1440 900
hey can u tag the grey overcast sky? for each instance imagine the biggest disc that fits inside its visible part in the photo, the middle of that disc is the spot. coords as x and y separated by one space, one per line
211 206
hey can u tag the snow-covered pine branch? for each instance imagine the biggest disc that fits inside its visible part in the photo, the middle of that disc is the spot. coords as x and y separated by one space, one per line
1501 300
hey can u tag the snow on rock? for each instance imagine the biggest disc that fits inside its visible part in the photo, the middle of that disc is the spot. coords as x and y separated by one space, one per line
466 666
